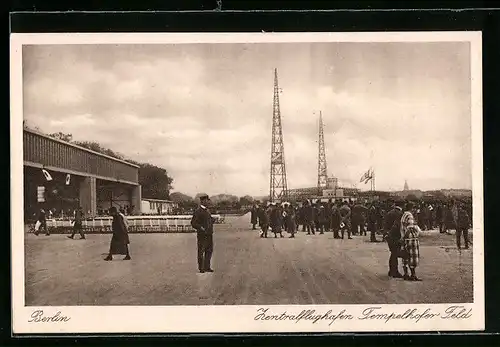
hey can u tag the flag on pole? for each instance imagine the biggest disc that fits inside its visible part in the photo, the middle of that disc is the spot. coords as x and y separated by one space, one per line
48 177
68 179
366 176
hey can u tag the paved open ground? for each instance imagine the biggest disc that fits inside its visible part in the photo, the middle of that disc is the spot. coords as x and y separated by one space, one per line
314 269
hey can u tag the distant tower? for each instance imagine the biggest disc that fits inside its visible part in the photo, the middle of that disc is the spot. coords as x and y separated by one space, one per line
322 169
278 185
406 186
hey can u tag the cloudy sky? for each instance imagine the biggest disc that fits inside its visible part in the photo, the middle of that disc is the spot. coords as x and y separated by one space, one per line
204 111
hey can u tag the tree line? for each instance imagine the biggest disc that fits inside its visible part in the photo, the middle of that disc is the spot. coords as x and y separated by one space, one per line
220 202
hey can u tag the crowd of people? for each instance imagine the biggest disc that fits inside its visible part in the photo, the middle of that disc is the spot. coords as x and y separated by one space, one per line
399 223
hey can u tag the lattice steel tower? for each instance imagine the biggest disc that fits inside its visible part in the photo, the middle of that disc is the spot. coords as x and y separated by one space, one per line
322 169
278 186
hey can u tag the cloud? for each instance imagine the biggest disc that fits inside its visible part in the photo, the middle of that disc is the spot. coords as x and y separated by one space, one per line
204 112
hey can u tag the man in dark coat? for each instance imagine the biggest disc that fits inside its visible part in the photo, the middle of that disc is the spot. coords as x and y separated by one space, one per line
328 212
358 219
290 219
335 221
345 221
316 216
373 214
308 217
202 222
77 226
393 237
253 217
463 224
299 215
322 218
264 220
441 215
275 220
42 218
119 241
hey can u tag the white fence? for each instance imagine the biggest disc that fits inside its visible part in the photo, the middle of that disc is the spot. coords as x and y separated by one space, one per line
137 224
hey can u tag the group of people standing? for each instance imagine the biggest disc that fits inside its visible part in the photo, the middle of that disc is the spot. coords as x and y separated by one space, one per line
340 217
402 234
399 222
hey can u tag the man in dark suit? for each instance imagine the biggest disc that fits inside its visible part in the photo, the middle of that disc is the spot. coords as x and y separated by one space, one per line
335 220
253 216
393 237
358 219
309 217
345 220
462 226
77 227
203 224
373 213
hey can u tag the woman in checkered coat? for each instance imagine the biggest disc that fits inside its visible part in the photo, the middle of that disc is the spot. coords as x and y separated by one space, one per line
410 232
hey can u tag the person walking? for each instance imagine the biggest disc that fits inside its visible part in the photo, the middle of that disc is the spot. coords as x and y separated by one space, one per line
203 224
77 225
119 240
42 221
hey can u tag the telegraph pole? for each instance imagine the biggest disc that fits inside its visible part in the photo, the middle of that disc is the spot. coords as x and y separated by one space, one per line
322 168
278 190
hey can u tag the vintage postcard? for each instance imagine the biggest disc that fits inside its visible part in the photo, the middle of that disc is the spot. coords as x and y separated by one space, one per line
267 182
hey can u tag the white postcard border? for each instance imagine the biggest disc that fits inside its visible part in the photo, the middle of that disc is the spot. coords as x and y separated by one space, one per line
241 319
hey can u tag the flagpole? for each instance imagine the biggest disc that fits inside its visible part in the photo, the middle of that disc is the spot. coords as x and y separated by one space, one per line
373 185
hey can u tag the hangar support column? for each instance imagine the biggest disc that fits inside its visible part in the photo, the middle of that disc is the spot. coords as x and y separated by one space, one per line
88 196
136 199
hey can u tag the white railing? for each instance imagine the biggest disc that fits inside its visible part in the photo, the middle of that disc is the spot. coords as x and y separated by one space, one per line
137 224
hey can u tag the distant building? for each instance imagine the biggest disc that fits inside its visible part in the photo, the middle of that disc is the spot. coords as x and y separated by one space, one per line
406 186
332 191
157 206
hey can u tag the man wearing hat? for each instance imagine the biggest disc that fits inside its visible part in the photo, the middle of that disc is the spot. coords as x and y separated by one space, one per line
276 220
203 224
264 219
393 236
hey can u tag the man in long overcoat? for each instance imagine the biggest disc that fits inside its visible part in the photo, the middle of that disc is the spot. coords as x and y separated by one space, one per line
309 217
276 220
119 240
345 220
253 217
393 237
335 220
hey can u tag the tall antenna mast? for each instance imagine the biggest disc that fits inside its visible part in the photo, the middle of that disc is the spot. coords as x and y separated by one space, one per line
278 186
322 168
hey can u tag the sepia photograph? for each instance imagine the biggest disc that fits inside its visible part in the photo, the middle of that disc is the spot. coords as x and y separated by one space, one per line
331 180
